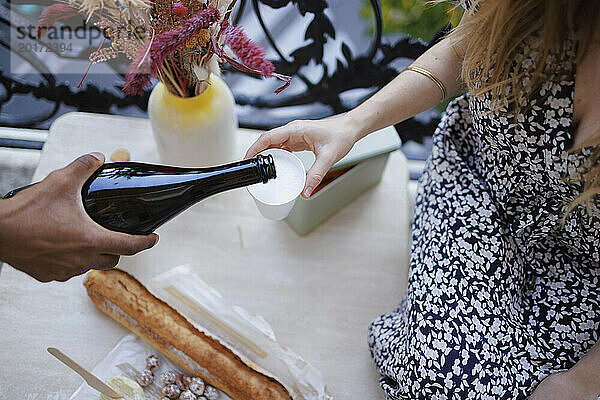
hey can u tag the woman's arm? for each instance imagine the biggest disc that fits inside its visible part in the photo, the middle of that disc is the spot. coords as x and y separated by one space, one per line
332 138
411 93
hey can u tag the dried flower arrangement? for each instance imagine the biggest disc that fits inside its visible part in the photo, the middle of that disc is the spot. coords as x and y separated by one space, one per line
179 42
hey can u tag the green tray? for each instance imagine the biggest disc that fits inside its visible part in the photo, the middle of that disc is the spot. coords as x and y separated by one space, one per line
367 159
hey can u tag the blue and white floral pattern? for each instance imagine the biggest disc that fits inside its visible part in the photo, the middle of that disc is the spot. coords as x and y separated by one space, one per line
501 291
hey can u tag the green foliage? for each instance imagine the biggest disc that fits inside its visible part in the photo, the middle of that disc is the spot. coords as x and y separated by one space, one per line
416 18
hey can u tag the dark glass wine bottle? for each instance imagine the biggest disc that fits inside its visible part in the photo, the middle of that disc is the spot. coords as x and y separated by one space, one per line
137 198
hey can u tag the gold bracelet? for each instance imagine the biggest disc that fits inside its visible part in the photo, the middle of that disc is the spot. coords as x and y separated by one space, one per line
431 76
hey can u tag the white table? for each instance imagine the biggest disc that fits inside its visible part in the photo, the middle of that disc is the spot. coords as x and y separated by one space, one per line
319 292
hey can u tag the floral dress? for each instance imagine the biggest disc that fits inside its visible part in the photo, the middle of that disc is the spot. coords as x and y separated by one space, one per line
502 292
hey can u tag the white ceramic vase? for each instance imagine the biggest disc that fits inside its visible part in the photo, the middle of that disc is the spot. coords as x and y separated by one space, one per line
194 131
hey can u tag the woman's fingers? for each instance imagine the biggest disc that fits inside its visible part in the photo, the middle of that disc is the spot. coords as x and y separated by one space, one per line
288 137
304 135
316 173
265 141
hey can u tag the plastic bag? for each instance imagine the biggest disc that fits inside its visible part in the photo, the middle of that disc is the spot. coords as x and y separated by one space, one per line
128 358
248 335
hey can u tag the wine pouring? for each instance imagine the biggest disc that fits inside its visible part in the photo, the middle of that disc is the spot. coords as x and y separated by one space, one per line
137 198
275 199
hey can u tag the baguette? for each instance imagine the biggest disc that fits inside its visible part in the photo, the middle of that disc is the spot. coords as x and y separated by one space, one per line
126 300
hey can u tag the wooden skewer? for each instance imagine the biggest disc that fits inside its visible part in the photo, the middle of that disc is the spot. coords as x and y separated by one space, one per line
87 376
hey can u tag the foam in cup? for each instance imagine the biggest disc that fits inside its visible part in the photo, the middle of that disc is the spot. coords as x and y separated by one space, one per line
289 181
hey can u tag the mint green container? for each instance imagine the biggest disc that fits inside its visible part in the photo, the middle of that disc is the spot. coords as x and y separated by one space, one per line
367 158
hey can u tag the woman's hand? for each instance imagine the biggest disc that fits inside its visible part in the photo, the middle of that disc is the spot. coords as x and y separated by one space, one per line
330 139
563 386
46 233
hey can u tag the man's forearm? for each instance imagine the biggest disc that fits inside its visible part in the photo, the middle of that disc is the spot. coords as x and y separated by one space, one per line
410 93
8 209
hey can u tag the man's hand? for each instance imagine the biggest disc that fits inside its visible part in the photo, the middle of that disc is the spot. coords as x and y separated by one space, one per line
46 233
563 386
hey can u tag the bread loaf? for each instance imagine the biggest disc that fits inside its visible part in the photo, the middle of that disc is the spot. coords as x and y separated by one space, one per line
127 301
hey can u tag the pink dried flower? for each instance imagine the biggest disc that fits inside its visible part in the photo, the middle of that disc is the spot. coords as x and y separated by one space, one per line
167 43
138 75
179 9
251 56
248 52
52 14
148 63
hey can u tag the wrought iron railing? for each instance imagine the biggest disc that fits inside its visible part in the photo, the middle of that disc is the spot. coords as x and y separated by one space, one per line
369 70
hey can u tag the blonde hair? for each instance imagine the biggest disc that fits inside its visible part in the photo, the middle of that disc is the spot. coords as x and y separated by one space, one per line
492 35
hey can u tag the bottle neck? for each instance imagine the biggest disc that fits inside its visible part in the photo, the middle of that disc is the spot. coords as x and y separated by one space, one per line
266 167
235 175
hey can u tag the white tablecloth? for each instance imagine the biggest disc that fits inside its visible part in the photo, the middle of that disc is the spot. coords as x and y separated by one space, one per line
318 292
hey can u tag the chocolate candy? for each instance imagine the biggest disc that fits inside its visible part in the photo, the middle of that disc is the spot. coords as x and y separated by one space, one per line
145 378
171 391
152 362
187 379
197 386
183 381
187 395
211 393
168 377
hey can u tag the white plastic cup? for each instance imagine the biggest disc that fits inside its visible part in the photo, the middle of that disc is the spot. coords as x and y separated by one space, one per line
280 209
